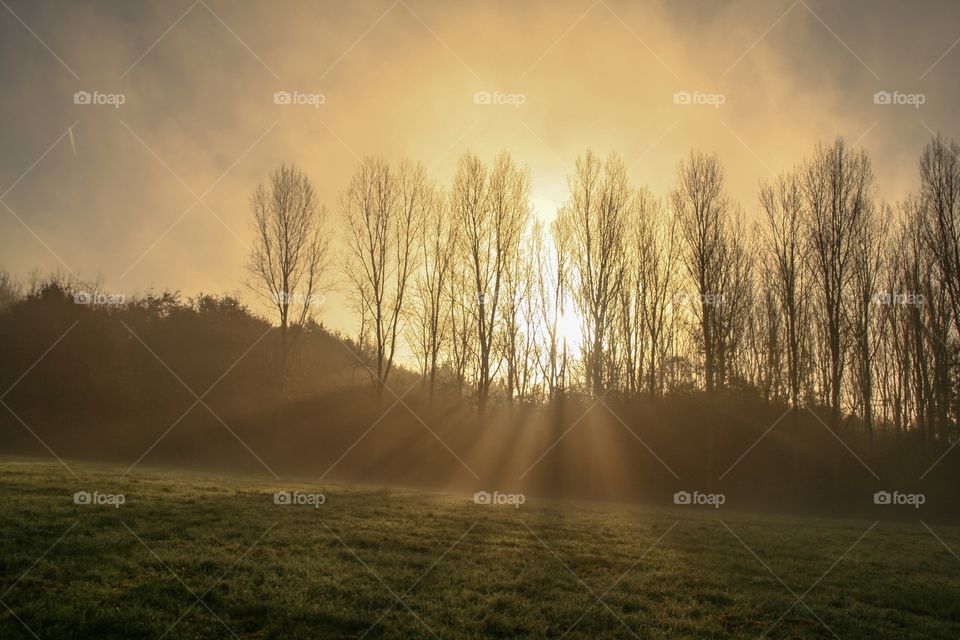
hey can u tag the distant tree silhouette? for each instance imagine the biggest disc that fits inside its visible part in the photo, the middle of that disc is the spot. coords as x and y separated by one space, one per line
868 305
940 206
783 243
290 253
10 289
838 189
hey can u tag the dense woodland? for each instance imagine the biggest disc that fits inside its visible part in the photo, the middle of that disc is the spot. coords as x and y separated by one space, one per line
681 329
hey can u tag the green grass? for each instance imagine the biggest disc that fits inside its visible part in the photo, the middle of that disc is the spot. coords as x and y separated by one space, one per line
462 570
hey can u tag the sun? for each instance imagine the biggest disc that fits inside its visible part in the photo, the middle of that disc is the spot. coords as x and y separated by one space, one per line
570 328
549 193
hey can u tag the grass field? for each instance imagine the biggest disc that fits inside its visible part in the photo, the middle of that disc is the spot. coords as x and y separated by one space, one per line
191 555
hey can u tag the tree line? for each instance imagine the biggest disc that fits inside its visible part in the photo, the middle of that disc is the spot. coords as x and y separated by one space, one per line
689 326
831 298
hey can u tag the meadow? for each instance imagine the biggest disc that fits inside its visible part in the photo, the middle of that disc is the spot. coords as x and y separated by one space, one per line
185 554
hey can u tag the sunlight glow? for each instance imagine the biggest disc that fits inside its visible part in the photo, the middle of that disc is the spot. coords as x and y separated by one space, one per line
543 207
570 329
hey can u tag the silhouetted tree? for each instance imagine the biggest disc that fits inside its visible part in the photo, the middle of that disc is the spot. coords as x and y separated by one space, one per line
383 214
869 304
290 253
491 209
552 261
838 192
940 202
595 219
10 290
703 209
431 313
784 244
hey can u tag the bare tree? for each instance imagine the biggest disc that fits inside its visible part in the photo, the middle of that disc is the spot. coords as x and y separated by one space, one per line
838 186
532 326
290 253
551 259
766 353
430 310
940 199
896 352
702 208
462 318
595 219
650 252
938 209
928 321
782 235
383 213
491 211
734 300
717 265
658 252
520 319
869 304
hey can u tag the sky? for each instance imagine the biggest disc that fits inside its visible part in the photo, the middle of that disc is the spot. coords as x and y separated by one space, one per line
147 182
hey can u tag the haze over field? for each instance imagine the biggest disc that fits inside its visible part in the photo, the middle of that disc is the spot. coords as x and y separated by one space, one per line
479 319
398 79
